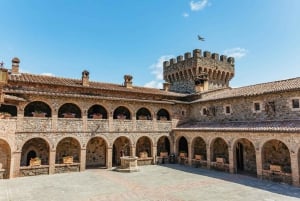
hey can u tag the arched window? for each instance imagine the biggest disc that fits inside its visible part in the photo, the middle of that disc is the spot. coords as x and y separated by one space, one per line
143 114
69 110
122 113
163 115
97 112
37 109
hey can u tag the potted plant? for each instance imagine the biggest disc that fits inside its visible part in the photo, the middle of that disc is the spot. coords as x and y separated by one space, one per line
97 116
35 161
38 113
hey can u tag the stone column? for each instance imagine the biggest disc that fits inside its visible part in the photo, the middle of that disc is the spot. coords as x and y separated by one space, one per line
231 161
82 159
54 122
15 164
154 153
132 150
295 169
133 119
20 118
110 123
208 156
259 167
52 156
84 123
109 157
190 153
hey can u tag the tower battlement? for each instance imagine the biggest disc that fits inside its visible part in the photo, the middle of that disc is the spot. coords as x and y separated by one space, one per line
196 72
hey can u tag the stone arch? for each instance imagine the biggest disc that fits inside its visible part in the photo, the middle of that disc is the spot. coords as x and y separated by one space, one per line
37 109
68 146
9 110
182 145
190 74
97 112
5 157
223 76
96 152
35 147
163 115
244 156
199 147
185 74
173 78
169 78
276 152
177 76
143 114
144 144
181 75
219 149
69 110
121 146
163 145
122 112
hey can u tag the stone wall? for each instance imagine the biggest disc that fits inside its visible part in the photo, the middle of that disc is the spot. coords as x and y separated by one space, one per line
243 109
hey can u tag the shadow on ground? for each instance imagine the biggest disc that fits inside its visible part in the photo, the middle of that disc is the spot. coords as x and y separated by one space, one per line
279 188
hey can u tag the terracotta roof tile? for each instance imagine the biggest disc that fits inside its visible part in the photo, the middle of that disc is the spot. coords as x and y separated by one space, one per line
252 90
283 126
52 80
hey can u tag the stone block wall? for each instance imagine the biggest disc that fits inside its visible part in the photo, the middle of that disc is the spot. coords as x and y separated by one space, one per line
243 108
30 124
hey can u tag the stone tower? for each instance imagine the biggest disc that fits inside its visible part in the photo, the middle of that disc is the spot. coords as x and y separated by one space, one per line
197 72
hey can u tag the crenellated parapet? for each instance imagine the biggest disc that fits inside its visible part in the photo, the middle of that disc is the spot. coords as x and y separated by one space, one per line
184 73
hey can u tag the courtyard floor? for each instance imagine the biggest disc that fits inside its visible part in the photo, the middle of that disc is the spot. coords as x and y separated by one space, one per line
155 183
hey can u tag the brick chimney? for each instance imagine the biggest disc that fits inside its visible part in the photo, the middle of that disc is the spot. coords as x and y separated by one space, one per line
85 78
15 65
128 81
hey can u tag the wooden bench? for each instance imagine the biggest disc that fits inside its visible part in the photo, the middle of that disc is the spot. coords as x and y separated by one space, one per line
275 168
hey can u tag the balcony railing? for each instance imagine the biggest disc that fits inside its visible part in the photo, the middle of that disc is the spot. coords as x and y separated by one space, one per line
44 124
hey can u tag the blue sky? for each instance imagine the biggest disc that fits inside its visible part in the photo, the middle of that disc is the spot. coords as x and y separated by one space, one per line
114 38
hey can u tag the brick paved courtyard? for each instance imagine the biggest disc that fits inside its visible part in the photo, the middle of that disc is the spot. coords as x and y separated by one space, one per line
157 183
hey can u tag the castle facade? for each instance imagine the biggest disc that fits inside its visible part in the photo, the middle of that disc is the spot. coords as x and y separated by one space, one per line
54 125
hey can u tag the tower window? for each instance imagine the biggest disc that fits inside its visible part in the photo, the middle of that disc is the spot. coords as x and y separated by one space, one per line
295 103
257 107
204 111
227 109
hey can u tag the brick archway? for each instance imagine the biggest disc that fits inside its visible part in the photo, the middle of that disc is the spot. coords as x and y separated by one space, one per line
68 147
275 152
35 147
5 158
144 144
163 145
219 149
121 145
199 147
244 156
96 153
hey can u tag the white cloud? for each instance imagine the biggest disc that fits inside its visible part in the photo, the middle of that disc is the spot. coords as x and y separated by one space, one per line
154 84
157 71
47 74
237 52
198 5
185 15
